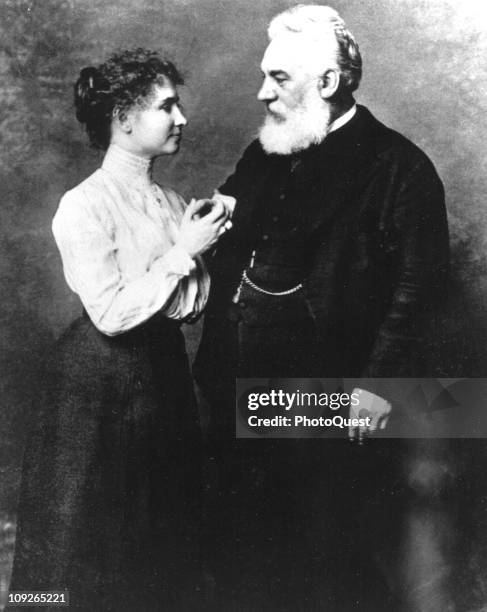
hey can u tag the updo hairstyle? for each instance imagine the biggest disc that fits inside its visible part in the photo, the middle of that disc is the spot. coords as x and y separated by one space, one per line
124 80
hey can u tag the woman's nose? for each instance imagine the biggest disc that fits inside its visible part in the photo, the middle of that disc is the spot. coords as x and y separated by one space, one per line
179 118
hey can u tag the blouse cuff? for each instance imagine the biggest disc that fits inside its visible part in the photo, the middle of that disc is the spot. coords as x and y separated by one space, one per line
179 261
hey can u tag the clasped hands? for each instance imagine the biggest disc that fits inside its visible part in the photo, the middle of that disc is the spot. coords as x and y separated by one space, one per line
204 221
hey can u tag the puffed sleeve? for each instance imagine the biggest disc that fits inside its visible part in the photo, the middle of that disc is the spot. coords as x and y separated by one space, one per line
88 251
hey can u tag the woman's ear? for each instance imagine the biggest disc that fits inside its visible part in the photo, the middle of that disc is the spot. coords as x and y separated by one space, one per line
329 83
122 119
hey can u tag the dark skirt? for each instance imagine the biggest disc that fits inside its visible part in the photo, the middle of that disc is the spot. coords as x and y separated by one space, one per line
110 499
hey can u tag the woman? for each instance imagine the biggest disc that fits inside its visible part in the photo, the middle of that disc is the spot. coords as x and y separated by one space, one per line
110 492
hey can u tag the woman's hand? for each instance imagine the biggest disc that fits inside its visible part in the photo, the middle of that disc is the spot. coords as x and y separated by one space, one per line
204 221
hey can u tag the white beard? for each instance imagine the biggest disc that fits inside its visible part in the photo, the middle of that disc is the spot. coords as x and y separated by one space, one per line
301 128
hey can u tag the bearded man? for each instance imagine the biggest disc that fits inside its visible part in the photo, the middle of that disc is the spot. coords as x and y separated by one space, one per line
339 247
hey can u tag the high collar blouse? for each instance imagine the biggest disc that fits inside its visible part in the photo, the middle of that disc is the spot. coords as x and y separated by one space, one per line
117 233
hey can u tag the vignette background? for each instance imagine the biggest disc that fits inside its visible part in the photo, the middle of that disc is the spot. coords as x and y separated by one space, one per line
424 75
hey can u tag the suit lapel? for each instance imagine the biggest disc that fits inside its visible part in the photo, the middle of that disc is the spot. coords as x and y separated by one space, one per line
329 176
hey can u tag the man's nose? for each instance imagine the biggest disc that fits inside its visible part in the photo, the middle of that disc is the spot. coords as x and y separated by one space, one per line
179 118
266 93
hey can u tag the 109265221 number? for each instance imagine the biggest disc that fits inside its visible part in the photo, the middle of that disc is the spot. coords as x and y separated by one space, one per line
38 598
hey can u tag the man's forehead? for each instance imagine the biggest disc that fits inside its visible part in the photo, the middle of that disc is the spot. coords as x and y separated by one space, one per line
294 52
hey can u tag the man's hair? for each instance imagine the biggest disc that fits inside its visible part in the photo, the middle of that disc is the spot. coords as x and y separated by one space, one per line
317 22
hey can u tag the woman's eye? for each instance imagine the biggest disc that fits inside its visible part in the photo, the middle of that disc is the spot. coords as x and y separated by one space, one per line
168 107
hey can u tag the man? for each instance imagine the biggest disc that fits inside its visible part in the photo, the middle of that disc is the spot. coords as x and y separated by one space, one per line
339 248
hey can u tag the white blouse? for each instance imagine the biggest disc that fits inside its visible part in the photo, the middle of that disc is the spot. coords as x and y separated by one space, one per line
116 232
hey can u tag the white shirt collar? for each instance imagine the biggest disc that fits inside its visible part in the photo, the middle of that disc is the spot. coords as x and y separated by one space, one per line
341 121
126 166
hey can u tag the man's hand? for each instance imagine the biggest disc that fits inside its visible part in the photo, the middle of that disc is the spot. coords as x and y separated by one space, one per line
229 202
370 405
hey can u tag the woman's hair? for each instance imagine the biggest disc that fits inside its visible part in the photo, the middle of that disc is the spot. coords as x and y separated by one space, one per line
125 79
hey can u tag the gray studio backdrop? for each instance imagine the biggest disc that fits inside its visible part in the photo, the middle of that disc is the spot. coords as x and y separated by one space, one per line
424 75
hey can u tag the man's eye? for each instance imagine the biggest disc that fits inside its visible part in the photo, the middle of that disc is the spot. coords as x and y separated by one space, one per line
279 78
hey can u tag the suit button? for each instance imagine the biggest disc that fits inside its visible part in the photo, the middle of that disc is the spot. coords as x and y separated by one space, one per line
282 196
265 237
242 304
275 219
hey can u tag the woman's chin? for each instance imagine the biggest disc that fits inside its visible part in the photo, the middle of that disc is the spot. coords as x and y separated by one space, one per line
170 148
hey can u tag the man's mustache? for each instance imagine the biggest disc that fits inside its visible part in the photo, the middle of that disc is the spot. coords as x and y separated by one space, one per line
278 117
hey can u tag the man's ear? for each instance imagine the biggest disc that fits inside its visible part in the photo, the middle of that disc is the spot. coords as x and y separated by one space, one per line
122 118
329 83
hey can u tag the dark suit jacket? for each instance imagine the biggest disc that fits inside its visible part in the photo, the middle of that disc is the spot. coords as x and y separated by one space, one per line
376 231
